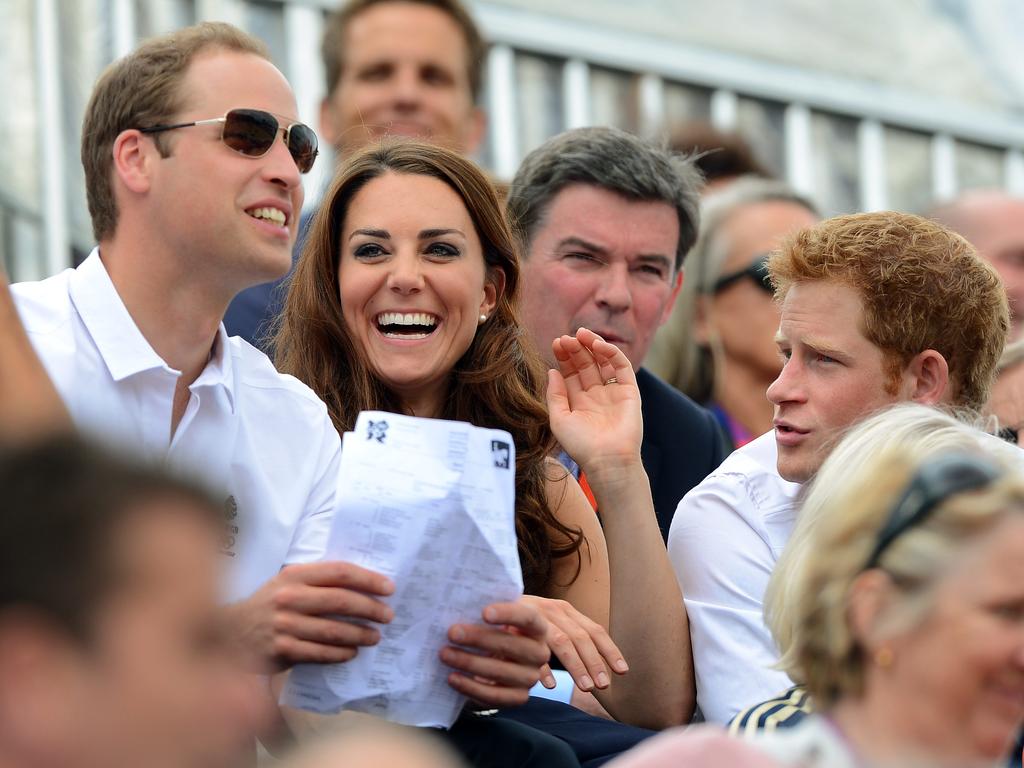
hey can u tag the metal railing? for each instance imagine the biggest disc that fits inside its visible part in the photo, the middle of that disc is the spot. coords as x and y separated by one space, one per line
851 144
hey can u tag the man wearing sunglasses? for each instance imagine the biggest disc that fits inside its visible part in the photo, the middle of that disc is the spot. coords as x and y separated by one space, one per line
869 317
193 160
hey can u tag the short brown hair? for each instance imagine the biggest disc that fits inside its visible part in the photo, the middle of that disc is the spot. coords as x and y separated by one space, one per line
332 49
140 90
922 285
498 382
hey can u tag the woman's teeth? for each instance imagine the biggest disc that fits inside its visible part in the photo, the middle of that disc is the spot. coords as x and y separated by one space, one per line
406 325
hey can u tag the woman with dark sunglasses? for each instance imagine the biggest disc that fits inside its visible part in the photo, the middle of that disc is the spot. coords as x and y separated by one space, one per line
718 347
899 604
405 299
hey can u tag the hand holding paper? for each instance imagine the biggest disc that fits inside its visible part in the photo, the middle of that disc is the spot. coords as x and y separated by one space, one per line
514 650
288 621
431 505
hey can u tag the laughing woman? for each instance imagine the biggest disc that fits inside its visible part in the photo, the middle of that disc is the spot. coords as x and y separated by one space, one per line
406 300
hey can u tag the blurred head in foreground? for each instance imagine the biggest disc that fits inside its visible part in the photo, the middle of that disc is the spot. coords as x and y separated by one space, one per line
111 648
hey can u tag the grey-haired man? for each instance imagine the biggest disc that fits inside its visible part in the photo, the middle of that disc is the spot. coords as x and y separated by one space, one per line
606 220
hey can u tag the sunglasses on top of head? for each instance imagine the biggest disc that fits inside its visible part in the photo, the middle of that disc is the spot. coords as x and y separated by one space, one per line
252 132
936 481
757 271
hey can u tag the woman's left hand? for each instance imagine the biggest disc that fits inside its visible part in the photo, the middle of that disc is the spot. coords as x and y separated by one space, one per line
584 647
593 401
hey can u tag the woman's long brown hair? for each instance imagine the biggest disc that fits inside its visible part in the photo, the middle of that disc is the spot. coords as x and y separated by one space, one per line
497 382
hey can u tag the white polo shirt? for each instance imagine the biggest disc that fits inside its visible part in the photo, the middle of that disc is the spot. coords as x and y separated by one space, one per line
725 539
260 436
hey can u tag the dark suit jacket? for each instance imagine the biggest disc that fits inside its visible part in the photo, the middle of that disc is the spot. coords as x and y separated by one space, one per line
682 444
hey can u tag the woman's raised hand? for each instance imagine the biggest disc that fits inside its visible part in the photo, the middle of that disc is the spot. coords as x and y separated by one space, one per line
593 401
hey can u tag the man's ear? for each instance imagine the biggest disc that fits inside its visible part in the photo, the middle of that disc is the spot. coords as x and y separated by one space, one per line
134 154
927 378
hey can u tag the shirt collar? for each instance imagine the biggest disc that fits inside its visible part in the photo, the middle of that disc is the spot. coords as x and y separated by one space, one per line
219 371
121 344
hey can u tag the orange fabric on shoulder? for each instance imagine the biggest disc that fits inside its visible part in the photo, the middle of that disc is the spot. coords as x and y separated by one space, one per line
586 490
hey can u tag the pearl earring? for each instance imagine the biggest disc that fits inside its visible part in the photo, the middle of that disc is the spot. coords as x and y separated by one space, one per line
483 319
885 656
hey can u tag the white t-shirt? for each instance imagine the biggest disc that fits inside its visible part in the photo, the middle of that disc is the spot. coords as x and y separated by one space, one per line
725 539
262 437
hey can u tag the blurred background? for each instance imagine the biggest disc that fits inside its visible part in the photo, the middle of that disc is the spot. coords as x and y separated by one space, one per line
863 104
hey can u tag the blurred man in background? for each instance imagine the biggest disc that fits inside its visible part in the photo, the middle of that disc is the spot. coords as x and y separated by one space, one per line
1007 400
993 222
402 68
394 68
721 156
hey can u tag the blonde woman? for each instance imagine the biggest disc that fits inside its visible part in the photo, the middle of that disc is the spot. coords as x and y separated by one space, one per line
913 430
900 606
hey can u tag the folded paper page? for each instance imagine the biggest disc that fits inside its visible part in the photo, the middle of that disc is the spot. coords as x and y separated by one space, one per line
430 504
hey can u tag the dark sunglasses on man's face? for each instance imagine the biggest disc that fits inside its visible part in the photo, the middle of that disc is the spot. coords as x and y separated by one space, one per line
252 132
756 271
